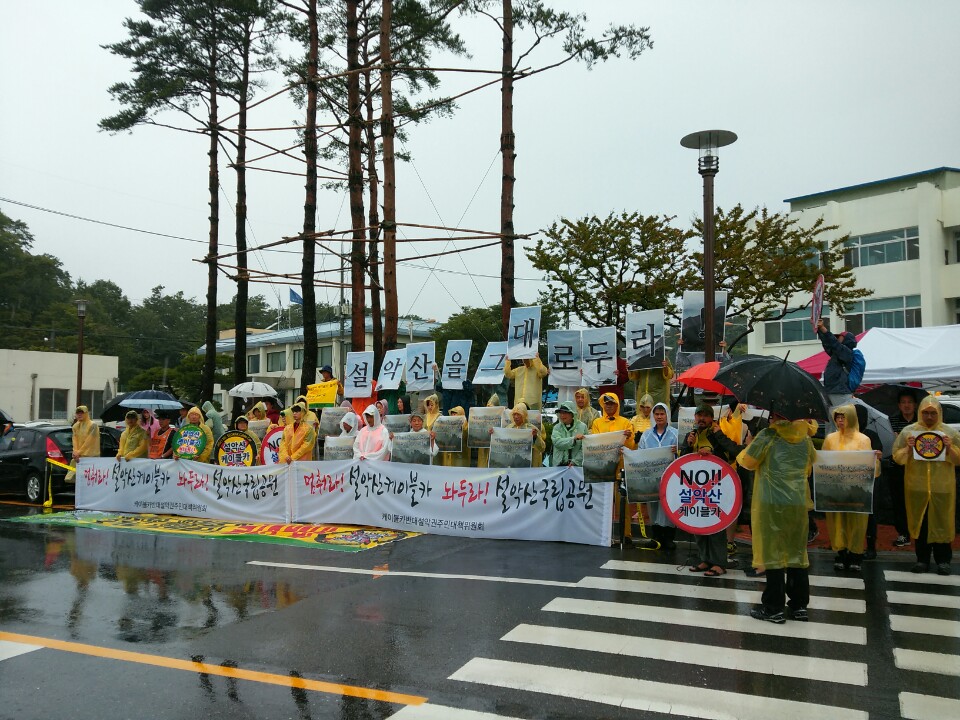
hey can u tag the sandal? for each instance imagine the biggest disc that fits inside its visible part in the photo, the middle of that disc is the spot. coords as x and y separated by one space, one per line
702 567
715 571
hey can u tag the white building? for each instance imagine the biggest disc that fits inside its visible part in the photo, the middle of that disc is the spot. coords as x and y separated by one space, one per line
43 385
276 357
904 246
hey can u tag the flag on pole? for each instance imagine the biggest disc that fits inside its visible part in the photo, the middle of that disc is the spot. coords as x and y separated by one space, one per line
294 298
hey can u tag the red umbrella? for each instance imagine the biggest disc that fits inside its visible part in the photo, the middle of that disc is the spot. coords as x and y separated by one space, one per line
701 376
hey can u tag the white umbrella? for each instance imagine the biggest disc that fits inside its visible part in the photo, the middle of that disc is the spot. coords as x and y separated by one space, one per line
252 390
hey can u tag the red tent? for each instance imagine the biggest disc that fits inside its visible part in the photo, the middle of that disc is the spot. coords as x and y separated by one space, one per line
816 363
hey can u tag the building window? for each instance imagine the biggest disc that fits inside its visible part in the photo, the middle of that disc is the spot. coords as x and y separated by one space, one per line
53 404
253 364
93 399
956 308
881 248
297 359
894 312
325 356
276 361
793 327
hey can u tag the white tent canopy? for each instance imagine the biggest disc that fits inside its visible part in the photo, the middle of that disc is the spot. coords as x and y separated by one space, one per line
929 355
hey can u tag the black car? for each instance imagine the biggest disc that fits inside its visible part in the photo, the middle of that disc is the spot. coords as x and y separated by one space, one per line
23 458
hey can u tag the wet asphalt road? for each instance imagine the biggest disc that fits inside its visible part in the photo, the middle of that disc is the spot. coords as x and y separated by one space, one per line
109 624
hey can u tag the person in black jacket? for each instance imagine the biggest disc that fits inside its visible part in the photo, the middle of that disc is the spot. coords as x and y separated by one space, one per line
907 407
836 374
708 439
875 444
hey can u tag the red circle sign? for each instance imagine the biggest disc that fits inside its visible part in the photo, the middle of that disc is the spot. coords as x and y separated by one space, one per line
270 447
701 494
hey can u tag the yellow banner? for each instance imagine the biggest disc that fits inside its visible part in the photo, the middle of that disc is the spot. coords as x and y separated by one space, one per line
322 394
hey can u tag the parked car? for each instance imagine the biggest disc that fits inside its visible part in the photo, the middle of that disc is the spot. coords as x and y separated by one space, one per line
24 452
951 411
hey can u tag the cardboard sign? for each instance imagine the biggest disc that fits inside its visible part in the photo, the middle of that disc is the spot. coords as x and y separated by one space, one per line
599 346
843 481
235 448
359 375
481 420
391 371
188 442
564 357
645 345
693 330
270 447
929 446
490 369
421 357
523 337
701 494
455 360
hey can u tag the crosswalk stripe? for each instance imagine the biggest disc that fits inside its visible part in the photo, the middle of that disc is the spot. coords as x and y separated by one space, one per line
442 712
924 578
930 662
701 592
808 668
928 599
925 626
9 649
851 634
644 695
846 583
914 706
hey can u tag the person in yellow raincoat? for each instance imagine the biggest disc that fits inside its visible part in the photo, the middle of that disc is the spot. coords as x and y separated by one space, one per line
613 421
586 413
527 381
781 457
134 440
930 489
462 458
431 411
654 382
642 420
519 421
483 454
299 437
195 417
848 531
86 439
731 425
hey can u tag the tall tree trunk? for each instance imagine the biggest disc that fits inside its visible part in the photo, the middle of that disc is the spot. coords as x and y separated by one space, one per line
355 180
240 317
507 151
308 372
210 358
373 215
389 183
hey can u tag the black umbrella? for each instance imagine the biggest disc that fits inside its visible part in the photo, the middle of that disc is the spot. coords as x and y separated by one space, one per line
776 385
885 397
116 409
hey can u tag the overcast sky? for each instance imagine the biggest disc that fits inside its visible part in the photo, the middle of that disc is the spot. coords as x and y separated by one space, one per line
822 94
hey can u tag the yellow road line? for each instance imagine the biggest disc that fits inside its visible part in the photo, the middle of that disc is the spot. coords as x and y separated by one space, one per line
29 504
198 667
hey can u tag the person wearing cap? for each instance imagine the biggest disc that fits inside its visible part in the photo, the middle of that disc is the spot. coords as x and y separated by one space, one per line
660 435
567 437
161 444
326 375
527 381
134 440
195 417
613 421
586 413
243 425
86 438
373 440
462 458
298 439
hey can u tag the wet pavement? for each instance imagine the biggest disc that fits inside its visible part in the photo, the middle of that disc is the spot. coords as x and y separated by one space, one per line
102 623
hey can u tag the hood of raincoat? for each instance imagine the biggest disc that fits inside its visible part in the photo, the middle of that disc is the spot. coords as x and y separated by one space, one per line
349 420
241 417
646 400
585 393
457 411
286 417
522 409
570 406
665 409
195 411
435 399
494 400
793 431
84 413
931 402
373 414
609 396
209 410
849 411
259 407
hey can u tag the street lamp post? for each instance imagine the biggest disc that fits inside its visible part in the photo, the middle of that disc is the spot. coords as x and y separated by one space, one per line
708 142
81 314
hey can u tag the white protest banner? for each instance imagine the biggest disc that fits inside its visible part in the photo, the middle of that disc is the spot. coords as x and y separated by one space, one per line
338 448
449 432
183 487
547 504
421 357
692 328
490 368
523 336
411 447
397 423
456 356
644 469
601 455
270 447
564 357
330 418
700 494
843 481
599 356
511 448
645 345
358 373
481 421
929 446
391 371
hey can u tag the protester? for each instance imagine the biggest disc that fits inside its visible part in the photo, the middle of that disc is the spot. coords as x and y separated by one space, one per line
299 437
373 440
134 440
195 417
148 422
161 444
519 421
875 444
660 435
641 421
416 425
403 405
309 416
732 426
613 421
654 382
622 376
258 411
837 372
906 415
781 457
586 413
243 425
86 438
848 531
431 407
183 416
930 488
273 410
326 375
349 424
527 381
462 458
214 421
707 439
567 437
483 454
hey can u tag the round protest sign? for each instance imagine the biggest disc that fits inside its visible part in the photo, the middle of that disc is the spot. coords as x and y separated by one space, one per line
188 442
928 445
816 305
235 448
270 447
701 494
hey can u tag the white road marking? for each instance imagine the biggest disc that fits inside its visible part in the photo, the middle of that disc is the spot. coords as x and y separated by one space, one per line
800 666
10 649
927 707
853 634
443 712
929 662
925 626
702 592
644 695
924 578
928 599
847 583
